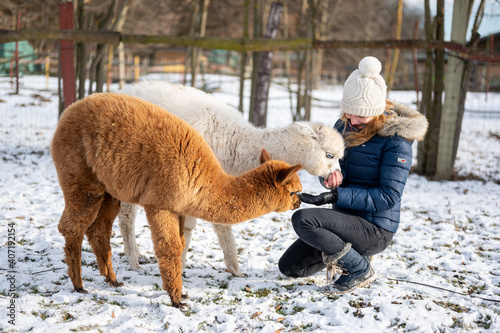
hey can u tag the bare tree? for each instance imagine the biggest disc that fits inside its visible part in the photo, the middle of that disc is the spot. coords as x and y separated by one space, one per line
432 90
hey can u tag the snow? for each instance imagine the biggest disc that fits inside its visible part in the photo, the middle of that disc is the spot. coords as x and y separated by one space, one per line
441 274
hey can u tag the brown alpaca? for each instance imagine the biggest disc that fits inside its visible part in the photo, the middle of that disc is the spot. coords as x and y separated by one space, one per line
110 148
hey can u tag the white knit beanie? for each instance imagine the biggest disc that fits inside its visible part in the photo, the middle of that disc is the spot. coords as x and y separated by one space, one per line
365 91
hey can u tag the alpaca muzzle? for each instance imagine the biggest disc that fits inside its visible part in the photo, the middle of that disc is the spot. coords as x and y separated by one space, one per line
296 202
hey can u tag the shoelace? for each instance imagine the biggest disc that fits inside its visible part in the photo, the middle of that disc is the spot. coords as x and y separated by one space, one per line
331 270
335 268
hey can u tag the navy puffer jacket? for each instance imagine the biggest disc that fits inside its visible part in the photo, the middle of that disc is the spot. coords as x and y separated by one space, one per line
375 172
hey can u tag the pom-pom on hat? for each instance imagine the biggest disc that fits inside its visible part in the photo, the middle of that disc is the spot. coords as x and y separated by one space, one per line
365 91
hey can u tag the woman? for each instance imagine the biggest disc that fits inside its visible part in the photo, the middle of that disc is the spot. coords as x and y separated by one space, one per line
366 195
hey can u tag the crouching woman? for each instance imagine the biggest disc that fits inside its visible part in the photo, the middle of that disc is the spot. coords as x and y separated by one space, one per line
366 195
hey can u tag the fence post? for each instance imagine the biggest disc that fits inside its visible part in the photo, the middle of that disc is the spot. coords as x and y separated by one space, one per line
67 55
454 74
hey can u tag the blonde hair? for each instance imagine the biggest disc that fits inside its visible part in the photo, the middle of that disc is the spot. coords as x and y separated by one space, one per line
354 139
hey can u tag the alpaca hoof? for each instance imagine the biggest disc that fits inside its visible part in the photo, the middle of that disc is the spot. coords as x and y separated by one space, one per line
135 266
180 305
116 284
236 273
81 290
146 260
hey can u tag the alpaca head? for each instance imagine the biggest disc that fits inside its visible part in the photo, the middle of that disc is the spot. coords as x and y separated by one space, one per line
286 181
321 148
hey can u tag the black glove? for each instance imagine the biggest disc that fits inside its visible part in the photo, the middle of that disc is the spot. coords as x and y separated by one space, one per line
320 199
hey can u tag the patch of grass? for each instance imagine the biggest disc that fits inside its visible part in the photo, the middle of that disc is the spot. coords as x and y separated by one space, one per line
99 301
484 322
333 297
290 287
204 325
359 304
452 306
414 296
85 328
264 292
358 313
476 289
189 312
297 309
120 304
67 316
42 315
396 322
34 290
459 323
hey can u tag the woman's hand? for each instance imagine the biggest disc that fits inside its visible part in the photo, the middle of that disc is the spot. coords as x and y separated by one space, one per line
333 180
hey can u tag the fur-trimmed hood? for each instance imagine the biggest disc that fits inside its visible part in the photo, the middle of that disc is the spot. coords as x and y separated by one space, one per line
409 124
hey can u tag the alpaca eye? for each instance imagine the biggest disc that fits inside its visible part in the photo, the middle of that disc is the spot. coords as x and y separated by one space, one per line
329 155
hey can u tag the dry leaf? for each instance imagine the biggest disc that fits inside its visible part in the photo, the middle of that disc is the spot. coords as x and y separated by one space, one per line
280 330
113 314
280 319
256 314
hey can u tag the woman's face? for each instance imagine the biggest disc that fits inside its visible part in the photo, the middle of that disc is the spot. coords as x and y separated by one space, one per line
357 121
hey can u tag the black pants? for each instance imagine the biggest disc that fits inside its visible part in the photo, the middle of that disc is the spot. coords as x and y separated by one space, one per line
328 230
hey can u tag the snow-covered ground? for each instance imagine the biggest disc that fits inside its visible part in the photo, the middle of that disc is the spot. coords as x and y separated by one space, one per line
441 274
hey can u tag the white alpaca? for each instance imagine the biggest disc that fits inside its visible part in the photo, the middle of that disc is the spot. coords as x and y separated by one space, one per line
237 145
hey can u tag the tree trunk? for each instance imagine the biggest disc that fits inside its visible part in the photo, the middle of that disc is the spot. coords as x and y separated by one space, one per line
81 50
302 58
437 103
320 31
243 55
287 57
97 69
192 31
66 58
395 58
265 64
415 63
257 32
426 104
196 50
121 65
114 21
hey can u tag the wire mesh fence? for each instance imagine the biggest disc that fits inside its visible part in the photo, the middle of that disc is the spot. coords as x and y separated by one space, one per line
29 105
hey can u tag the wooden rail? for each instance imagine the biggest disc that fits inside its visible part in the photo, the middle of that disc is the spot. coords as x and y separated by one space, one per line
242 44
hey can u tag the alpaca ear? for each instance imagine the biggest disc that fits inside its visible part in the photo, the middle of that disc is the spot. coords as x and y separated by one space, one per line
264 156
285 173
306 129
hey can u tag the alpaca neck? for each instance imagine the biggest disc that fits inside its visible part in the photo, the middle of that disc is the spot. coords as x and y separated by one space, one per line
233 200
277 142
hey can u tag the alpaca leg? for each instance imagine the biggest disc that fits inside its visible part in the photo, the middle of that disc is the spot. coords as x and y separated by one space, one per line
126 218
228 245
99 235
79 212
168 244
189 225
